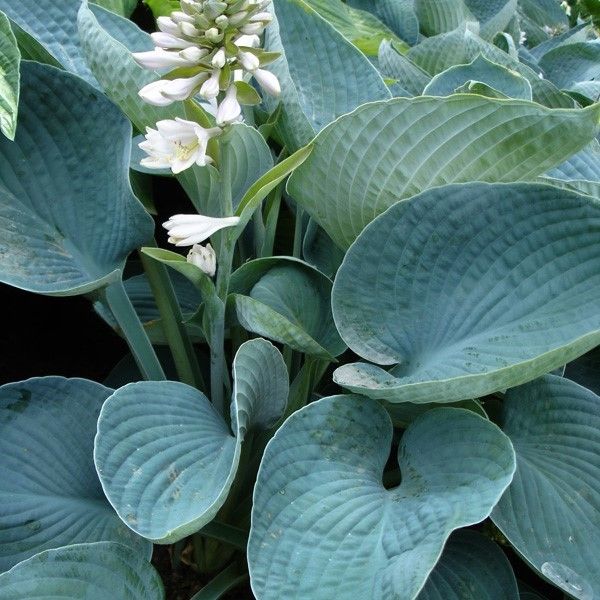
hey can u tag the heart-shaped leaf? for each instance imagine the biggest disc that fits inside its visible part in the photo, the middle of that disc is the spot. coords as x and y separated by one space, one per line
167 459
52 25
472 289
57 201
288 301
83 571
551 511
322 74
10 59
384 151
323 524
471 567
49 491
482 70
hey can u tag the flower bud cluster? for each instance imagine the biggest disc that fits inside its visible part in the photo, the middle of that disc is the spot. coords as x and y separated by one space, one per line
210 46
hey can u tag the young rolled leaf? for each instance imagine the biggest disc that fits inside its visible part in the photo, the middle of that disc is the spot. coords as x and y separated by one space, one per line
471 564
167 459
49 490
472 289
550 512
322 74
10 59
385 151
69 218
288 301
94 571
323 524
52 25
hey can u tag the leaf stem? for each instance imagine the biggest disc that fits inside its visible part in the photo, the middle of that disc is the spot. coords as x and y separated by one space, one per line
133 330
234 536
172 319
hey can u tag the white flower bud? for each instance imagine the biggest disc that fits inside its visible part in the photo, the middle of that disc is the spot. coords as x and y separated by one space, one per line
248 61
267 81
166 40
180 17
252 28
263 17
219 59
210 88
250 41
221 22
160 59
237 17
203 257
152 94
213 35
167 25
229 110
182 88
188 29
193 54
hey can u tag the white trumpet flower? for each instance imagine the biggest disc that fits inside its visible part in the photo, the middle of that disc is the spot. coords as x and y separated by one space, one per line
177 145
167 40
166 91
187 230
248 60
203 257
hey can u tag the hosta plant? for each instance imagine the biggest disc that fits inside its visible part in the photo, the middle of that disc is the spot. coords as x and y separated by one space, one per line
347 351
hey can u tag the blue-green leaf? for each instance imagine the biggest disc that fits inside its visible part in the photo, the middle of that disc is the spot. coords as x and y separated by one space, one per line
323 524
399 15
468 290
506 81
471 567
96 571
10 59
551 511
49 491
385 151
54 26
167 459
322 74
68 216
121 7
288 301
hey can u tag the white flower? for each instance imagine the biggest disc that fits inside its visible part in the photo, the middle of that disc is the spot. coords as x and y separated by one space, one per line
152 94
177 144
248 61
187 230
166 91
229 110
189 29
161 58
204 258
210 88
267 81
